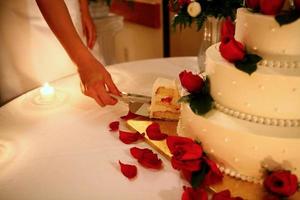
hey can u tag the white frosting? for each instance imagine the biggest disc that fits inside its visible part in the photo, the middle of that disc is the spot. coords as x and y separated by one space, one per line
242 149
268 92
262 35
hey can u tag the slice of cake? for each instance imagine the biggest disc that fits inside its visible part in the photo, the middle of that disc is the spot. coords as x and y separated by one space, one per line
164 102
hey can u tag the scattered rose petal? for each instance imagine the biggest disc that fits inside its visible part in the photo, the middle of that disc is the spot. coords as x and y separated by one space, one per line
127 170
114 126
225 195
154 133
194 194
129 116
129 137
146 158
137 152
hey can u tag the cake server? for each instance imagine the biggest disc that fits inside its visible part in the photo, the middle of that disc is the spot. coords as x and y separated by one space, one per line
138 104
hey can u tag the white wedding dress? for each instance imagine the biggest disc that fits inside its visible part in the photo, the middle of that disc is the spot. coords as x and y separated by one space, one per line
30 54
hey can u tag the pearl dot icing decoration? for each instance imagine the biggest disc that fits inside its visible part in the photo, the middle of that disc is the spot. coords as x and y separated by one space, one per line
236 160
219 93
212 151
259 119
273 29
255 48
233 82
226 140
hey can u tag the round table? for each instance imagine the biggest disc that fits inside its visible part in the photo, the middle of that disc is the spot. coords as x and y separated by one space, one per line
66 151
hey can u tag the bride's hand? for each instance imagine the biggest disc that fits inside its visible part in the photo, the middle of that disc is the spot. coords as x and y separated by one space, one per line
97 83
89 29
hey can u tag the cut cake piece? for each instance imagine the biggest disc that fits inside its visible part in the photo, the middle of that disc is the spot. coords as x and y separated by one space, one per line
164 102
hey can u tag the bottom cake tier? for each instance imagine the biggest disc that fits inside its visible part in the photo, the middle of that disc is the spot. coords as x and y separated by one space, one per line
242 149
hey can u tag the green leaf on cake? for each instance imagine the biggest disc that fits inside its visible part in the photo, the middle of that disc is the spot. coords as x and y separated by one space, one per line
201 103
198 176
248 64
287 17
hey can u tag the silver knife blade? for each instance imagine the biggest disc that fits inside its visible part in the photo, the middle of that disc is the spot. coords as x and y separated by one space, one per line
139 108
131 97
138 104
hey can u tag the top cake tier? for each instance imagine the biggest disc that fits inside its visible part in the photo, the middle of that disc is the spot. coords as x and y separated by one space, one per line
279 46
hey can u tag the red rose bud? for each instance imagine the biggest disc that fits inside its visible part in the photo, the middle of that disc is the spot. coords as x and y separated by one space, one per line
190 81
129 171
114 126
281 183
128 137
194 194
297 5
253 4
227 30
154 133
273 7
232 50
224 195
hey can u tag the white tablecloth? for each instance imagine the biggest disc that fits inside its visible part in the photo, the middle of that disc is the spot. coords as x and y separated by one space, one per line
66 151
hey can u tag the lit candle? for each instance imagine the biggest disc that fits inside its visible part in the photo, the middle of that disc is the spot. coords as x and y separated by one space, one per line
47 93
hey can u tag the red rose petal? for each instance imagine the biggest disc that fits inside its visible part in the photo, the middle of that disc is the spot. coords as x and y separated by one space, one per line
253 4
154 133
114 126
191 165
129 116
194 194
129 137
137 152
127 170
214 175
227 30
146 157
150 160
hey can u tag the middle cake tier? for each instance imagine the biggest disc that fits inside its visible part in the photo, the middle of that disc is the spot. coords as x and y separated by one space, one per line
267 96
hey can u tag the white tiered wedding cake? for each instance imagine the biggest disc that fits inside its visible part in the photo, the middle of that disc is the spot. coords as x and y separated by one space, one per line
255 124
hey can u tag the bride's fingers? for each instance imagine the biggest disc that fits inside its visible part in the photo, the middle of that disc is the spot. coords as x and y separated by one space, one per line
111 86
93 94
104 96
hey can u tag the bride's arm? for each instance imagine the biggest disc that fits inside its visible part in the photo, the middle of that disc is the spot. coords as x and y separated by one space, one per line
88 25
93 75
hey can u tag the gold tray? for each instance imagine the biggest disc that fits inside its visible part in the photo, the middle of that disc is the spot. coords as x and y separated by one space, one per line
239 188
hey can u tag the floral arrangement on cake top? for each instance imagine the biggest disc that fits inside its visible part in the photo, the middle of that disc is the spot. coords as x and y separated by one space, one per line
189 11
234 51
275 7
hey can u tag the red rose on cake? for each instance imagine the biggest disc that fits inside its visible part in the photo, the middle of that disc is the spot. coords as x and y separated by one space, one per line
281 183
190 81
266 7
230 49
186 153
